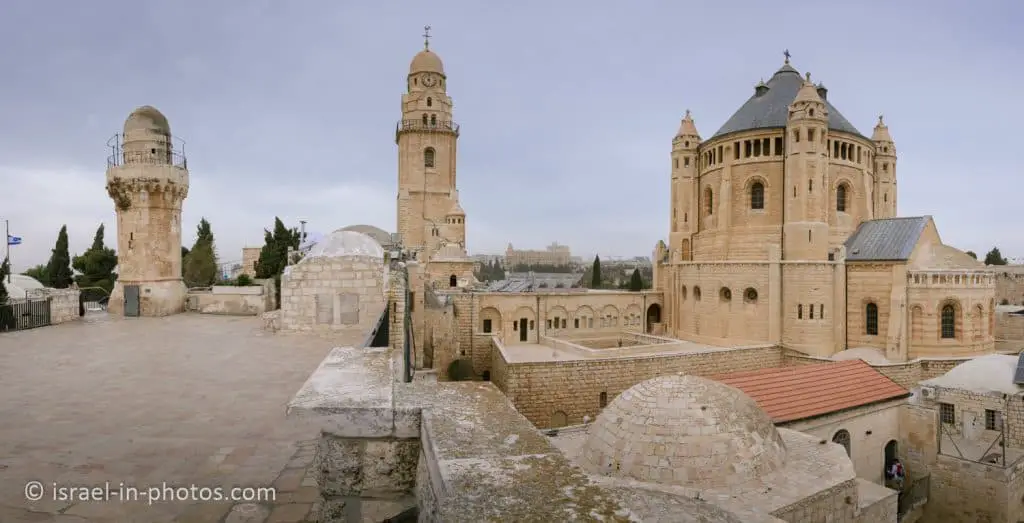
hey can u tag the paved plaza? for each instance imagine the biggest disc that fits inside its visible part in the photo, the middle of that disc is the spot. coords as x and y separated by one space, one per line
183 400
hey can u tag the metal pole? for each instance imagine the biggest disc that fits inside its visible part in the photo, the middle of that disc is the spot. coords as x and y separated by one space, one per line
7 239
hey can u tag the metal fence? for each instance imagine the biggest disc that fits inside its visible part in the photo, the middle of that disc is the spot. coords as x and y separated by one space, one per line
24 314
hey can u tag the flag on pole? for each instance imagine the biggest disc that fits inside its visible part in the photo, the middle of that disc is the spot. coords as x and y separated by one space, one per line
13 240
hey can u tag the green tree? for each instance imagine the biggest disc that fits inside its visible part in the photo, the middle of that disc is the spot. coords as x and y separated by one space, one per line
58 270
595 277
39 273
5 269
972 254
994 257
274 254
96 268
636 282
199 266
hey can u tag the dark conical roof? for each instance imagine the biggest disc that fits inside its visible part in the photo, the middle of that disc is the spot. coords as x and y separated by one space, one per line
771 109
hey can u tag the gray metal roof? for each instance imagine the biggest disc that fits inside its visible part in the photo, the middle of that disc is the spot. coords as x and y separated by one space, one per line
771 109
888 239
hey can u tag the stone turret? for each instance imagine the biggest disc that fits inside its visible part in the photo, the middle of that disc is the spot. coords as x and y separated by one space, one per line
885 171
147 177
682 221
806 188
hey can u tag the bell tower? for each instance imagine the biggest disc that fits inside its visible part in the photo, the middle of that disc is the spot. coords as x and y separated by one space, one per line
684 189
426 137
806 223
885 171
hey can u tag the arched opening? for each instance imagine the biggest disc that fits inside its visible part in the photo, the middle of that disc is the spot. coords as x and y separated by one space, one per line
709 201
841 198
428 157
430 101
653 316
424 119
453 281
696 293
871 319
559 419
603 399
486 376
891 453
725 294
684 248
842 437
433 120
757 196
750 295
948 321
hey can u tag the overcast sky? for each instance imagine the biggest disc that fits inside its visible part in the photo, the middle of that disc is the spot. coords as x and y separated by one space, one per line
567 108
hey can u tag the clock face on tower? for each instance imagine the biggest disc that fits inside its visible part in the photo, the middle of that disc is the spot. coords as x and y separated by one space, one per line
429 81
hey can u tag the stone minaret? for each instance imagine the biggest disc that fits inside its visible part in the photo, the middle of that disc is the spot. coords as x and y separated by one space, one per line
885 172
807 193
683 219
426 139
148 181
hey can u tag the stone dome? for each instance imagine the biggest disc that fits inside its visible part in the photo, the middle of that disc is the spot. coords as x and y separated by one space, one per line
426 61
683 430
147 118
343 243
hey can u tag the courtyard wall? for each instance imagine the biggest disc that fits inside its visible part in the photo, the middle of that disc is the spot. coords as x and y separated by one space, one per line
335 297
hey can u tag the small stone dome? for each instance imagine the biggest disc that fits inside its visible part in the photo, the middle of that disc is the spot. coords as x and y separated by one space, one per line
426 61
147 118
683 430
343 243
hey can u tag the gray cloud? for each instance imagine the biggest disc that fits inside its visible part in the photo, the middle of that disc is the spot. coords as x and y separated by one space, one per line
567 111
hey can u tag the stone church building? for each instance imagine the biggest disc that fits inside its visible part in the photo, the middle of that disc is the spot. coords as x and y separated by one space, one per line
784 221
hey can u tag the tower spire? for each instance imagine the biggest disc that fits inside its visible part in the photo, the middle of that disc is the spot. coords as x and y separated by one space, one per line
426 37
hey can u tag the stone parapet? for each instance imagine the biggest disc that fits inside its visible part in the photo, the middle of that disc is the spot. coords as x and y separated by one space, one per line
447 444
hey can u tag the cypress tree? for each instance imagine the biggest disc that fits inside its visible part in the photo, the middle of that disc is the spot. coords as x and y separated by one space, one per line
595 277
636 282
58 269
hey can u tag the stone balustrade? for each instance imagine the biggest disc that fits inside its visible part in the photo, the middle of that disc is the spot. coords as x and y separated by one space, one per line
950 278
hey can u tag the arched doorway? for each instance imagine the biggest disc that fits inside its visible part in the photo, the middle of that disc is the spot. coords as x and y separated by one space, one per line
891 453
453 281
842 437
559 419
653 316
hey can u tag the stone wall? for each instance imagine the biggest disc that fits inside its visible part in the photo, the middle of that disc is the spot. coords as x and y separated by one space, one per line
1009 327
542 390
906 374
870 428
64 305
251 300
333 296
919 443
965 491
1010 284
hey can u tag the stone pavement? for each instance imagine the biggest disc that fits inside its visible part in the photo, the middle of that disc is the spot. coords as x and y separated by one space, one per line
184 400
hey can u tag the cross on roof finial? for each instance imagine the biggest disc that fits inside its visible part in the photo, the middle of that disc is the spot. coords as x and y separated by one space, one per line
687 113
786 54
880 121
426 37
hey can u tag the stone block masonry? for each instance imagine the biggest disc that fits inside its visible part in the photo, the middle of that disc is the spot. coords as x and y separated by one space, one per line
63 304
333 296
569 390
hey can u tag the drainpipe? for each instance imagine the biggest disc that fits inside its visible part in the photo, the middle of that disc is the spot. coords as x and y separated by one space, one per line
846 306
537 314
644 313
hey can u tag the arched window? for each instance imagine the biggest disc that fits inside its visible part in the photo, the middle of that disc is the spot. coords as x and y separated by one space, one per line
428 157
757 196
871 319
453 281
948 322
709 201
430 101
424 119
841 198
843 438
433 120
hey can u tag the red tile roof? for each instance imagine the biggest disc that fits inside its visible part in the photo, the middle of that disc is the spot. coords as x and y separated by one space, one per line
806 391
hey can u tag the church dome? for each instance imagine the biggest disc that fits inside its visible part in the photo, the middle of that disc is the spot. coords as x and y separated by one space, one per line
683 430
768 108
426 61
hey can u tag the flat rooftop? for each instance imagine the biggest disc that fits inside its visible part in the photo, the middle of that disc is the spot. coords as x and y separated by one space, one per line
181 400
566 349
